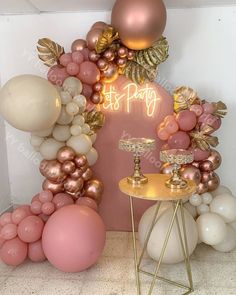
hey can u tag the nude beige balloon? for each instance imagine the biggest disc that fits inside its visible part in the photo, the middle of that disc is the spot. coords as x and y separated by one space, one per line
139 22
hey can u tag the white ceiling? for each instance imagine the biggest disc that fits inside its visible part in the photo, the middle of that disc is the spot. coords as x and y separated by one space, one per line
40 6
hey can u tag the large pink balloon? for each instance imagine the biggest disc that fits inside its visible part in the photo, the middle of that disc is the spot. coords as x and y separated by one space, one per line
30 229
89 73
74 238
35 251
179 140
13 252
187 120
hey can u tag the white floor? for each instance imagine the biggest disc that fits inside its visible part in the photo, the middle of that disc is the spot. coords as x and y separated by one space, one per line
213 273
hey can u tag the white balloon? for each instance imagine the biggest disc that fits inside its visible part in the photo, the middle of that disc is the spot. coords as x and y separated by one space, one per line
78 120
206 198
65 97
195 200
61 132
44 133
225 206
80 100
75 130
36 141
81 144
202 209
221 190
233 224
229 242
64 118
30 103
191 209
72 108
86 129
211 228
73 86
49 148
174 253
92 156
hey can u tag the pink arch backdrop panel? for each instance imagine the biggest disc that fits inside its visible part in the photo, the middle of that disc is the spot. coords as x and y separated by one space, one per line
131 111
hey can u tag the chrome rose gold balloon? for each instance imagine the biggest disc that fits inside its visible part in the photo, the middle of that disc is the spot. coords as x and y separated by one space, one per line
73 186
192 173
77 173
94 189
109 55
202 188
96 98
214 183
110 74
99 25
55 188
92 37
88 174
166 168
93 56
43 167
206 166
139 22
206 176
68 167
215 159
196 164
80 161
102 64
65 154
98 87
54 172
78 45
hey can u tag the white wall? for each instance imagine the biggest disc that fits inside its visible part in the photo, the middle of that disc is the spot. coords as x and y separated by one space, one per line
202 55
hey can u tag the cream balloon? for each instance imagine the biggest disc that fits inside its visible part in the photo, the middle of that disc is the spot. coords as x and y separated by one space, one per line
75 130
64 118
36 141
229 242
61 132
174 253
49 148
92 156
72 108
221 190
93 137
191 209
81 144
73 86
85 129
44 133
78 120
233 224
207 198
80 100
30 103
195 200
225 206
65 97
202 209
211 228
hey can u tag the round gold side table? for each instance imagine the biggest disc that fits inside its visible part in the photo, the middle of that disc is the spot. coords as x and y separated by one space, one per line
156 190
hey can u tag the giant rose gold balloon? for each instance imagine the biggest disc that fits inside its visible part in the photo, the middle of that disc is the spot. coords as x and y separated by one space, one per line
216 159
78 45
99 25
73 186
54 172
206 166
55 188
192 173
214 183
88 174
202 188
139 22
94 189
65 154
92 37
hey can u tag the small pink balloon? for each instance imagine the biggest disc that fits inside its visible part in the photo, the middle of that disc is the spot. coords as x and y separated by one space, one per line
72 69
9 231
211 120
87 90
35 251
2 241
13 252
48 208
172 127
77 57
26 208
60 200
20 213
200 155
84 201
44 217
35 198
45 196
6 218
57 75
179 140
169 118
30 229
187 120
85 53
197 109
208 108
163 134
89 73
36 207
65 59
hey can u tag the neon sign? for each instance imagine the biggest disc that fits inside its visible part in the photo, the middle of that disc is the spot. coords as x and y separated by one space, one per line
123 99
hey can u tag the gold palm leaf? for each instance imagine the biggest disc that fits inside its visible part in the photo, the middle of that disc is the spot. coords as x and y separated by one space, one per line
184 97
95 119
49 51
107 37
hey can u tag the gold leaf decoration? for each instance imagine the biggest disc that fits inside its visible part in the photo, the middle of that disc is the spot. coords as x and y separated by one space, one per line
184 97
144 66
202 139
220 109
108 36
49 51
95 119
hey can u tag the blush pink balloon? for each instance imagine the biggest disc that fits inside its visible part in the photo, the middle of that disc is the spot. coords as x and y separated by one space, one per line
36 207
35 198
197 109
179 140
60 200
44 217
87 91
89 73
2 241
74 238
6 218
13 252
84 201
77 57
85 53
45 196
200 155
169 118
30 229
211 120
208 108
187 120
48 208
57 75
9 231
20 213
65 59
72 69
163 134
172 127
35 251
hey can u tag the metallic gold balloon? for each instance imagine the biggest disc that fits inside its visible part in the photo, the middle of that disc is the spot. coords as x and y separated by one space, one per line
214 183
110 74
215 159
94 189
73 185
206 166
78 45
139 22
192 173
55 188
80 161
68 167
202 188
54 172
92 37
77 173
88 174
65 154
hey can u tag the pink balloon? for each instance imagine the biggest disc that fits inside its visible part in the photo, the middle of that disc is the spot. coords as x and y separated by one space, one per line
84 201
26 208
36 207
65 59
44 217
57 75
72 69
169 118
6 218
2 241
197 109
87 91
60 200
35 198
200 155
20 213
9 231
74 238
35 251
211 120
163 134
45 196
13 252
89 73
85 53
179 140
187 120
172 127
208 108
77 57
48 208
30 229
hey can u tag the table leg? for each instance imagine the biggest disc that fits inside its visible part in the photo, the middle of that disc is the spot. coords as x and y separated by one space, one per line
135 247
